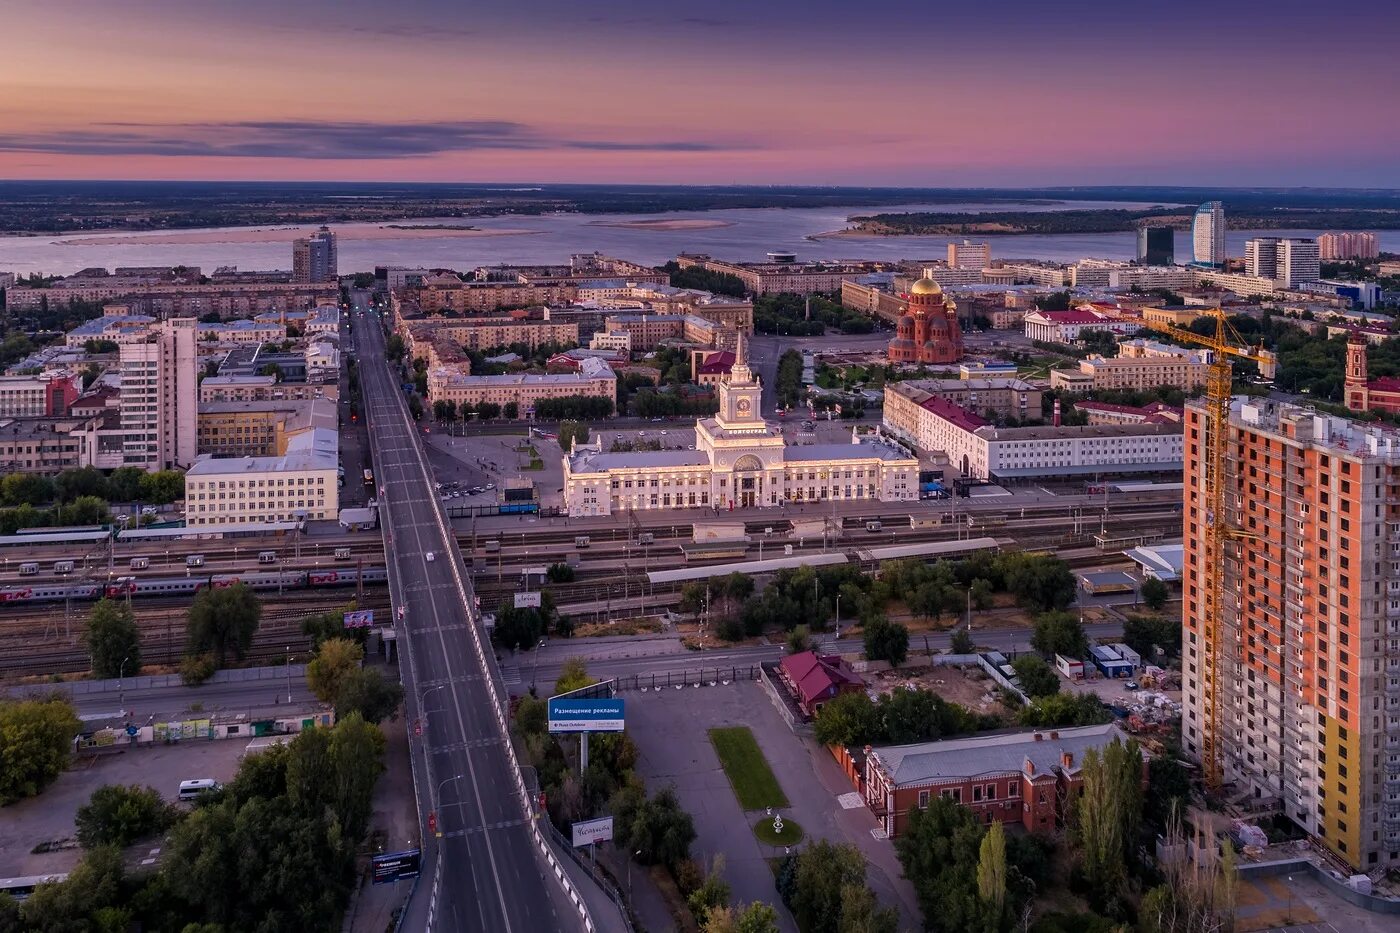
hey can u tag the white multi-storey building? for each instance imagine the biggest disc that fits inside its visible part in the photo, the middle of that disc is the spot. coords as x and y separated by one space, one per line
1208 235
160 396
739 461
969 255
303 484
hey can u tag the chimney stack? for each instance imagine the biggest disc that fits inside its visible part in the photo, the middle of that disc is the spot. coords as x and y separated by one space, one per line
1057 413
1066 760
1029 767
1039 737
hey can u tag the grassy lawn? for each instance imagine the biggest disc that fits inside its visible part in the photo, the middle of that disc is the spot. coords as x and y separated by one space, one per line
790 836
747 769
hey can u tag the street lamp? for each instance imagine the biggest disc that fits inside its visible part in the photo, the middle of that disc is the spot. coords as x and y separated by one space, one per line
289 675
121 685
636 854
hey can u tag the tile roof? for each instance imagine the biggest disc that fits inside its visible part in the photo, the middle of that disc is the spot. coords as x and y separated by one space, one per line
815 674
955 413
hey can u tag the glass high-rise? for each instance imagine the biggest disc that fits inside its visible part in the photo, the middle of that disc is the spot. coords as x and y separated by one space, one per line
1156 246
1208 235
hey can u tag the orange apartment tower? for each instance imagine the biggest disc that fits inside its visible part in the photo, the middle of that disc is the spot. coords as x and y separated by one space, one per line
928 332
1309 627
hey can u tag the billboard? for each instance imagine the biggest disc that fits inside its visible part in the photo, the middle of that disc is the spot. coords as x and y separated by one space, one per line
360 618
591 831
527 600
391 866
585 715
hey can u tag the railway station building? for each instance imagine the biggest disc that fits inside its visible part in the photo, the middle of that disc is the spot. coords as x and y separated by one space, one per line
739 461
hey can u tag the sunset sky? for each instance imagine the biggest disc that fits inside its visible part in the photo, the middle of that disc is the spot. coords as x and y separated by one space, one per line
882 92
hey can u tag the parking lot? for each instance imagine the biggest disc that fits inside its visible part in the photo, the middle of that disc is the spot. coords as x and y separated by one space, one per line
48 818
671 732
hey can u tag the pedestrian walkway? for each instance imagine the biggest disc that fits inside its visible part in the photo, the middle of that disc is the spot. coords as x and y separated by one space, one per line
393 828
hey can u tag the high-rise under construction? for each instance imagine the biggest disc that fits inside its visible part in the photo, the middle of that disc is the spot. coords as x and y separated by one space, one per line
1307 699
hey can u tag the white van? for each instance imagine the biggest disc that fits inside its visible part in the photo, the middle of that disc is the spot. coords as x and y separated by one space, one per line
190 790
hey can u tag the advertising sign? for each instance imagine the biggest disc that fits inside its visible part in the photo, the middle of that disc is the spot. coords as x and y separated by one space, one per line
391 866
360 618
527 600
591 831
585 715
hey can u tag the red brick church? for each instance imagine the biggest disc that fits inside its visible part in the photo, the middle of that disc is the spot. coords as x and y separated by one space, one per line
928 332
1362 394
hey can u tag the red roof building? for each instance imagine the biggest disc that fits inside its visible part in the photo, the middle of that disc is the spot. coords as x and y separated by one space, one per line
1362 393
814 679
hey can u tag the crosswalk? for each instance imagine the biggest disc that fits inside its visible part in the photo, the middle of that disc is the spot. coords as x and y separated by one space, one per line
510 674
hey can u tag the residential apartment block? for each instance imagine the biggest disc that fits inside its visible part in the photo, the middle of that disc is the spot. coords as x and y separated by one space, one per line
1140 365
256 388
771 278
35 396
314 258
594 378
969 255
159 396
260 429
1307 687
1002 397
1333 247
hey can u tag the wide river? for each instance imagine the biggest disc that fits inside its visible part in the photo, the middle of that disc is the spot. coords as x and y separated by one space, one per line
745 234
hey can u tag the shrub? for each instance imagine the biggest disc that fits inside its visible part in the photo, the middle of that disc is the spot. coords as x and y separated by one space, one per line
195 669
118 816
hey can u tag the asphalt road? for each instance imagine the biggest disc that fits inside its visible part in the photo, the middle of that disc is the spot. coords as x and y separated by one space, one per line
493 876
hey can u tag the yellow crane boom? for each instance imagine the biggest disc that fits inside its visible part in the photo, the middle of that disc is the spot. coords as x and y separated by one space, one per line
1228 346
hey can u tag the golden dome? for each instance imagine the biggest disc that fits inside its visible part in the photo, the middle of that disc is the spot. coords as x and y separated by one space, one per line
926 286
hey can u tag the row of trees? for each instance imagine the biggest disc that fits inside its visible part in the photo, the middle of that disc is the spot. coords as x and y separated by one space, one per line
649 402
124 484
897 718
721 283
273 851
789 380
450 411
787 314
574 408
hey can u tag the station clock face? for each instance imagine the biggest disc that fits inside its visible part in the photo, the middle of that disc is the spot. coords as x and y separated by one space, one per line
743 406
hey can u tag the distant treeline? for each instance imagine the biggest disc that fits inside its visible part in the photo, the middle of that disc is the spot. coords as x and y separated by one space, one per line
1115 221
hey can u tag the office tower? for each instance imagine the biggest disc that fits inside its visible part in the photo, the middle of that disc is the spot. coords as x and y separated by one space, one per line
1208 235
314 257
1156 246
1307 713
1333 247
160 396
969 255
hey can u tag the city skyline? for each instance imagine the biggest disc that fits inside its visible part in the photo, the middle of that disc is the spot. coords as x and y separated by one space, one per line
622 91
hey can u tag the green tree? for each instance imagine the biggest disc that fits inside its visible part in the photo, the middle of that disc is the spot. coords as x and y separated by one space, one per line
940 850
118 816
1106 818
657 828
1065 709
559 572
573 674
510 411
222 621
93 889
26 488
532 716
886 641
335 659
848 719
991 869
87 481
36 740
124 485
981 593
571 432
1060 633
962 642
757 917
1154 593
824 870
366 692
799 640
162 487
113 640
713 893
84 510
1037 678
861 912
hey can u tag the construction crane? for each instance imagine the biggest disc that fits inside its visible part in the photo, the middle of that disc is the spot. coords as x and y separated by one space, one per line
1228 346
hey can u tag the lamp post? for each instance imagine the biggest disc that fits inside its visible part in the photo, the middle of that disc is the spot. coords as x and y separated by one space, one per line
629 875
289 675
121 685
423 699
443 783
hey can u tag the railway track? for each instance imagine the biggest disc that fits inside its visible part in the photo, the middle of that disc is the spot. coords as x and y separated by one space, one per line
48 642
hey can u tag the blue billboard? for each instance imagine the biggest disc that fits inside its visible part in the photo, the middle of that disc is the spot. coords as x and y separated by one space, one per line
566 715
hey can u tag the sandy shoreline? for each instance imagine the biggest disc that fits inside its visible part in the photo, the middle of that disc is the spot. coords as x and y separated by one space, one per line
284 235
688 224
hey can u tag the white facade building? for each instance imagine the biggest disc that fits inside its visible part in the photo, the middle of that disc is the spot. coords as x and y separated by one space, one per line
739 461
304 484
969 255
160 396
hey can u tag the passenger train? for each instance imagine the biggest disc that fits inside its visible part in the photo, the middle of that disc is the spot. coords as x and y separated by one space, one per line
124 587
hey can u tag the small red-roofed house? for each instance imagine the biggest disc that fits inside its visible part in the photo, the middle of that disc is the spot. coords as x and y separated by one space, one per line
814 679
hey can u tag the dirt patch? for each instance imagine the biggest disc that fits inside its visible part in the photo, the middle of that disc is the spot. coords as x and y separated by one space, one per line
625 627
966 686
